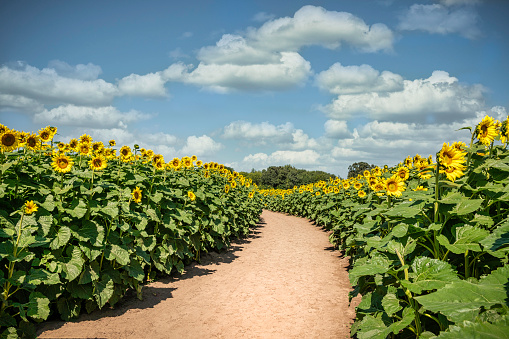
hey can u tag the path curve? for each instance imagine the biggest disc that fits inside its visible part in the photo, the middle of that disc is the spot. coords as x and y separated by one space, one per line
284 281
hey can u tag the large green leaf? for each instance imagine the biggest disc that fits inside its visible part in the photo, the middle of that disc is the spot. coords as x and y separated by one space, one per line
74 265
68 307
38 306
429 274
461 300
376 265
39 276
467 238
478 330
499 238
61 238
103 290
118 253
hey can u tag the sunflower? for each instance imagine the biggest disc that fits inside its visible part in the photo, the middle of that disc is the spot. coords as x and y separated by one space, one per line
62 163
486 130
187 162
420 188
366 173
112 143
52 130
160 165
408 162
84 149
226 188
136 193
156 158
450 156
73 144
357 185
376 171
206 166
98 163
394 186
86 139
336 190
346 185
9 140
361 194
194 158
453 173
403 172
125 151
250 195
191 195
3 128
175 162
30 207
97 146
45 135
206 174
32 142
504 131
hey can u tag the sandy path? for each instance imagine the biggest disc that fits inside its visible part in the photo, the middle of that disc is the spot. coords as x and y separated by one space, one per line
284 281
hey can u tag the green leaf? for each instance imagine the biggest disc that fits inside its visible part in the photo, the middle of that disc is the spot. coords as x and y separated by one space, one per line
461 300
103 290
78 208
376 265
68 308
62 237
38 306
429 274
484 330
39 276
466 206
390 303
90 231
118 253
46 221
111 209
467 238
73 267
135 270
497 239
80 291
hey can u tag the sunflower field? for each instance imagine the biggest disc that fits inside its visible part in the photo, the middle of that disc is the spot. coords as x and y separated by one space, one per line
83 222
428 241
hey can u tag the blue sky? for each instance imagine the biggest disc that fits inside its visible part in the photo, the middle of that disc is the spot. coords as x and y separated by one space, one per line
250 84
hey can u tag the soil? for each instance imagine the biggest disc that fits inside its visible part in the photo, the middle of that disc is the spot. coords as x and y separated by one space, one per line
284 281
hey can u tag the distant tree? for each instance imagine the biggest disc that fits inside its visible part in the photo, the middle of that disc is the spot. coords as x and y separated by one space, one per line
358 168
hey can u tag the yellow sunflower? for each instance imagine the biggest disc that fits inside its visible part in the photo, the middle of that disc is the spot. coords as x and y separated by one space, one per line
206 174
32 142
112 143
486 130
420 188
84 149
226 188
86 139
30 207
9 140
136 193
194 158
191 195
97 146
403 173
175 162
250 195
98 163
450 156
73 144
361 194
453 173
62 163
187 162
346 185
160 165
394 186
45 135
357 185
199 163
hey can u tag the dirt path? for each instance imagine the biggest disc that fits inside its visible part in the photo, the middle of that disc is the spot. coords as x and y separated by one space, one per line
284 281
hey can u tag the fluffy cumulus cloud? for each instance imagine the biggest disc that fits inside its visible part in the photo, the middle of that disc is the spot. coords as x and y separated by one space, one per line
285 136
267 58
27 84
439 98
306 157
291 70
200 146
83 116
312 25
339 79
336 129
440 19
80 71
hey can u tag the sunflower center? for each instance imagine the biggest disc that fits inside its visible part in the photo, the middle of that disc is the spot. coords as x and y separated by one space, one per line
62 163
8 139
31 142
392 187
97 162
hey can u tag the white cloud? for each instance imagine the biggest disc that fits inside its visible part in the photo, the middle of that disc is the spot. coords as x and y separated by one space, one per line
262 16
259 133
80 71
459 2
200 146
340 79
46 86
148 85
291 70
312 25
336 129
306 157
439 19
19 103
439 98
71 115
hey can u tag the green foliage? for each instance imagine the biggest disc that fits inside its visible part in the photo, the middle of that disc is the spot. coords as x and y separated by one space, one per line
89 241
358 168
427 264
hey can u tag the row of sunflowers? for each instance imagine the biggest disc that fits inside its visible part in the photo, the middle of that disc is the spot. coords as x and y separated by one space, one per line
82 222
427 240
